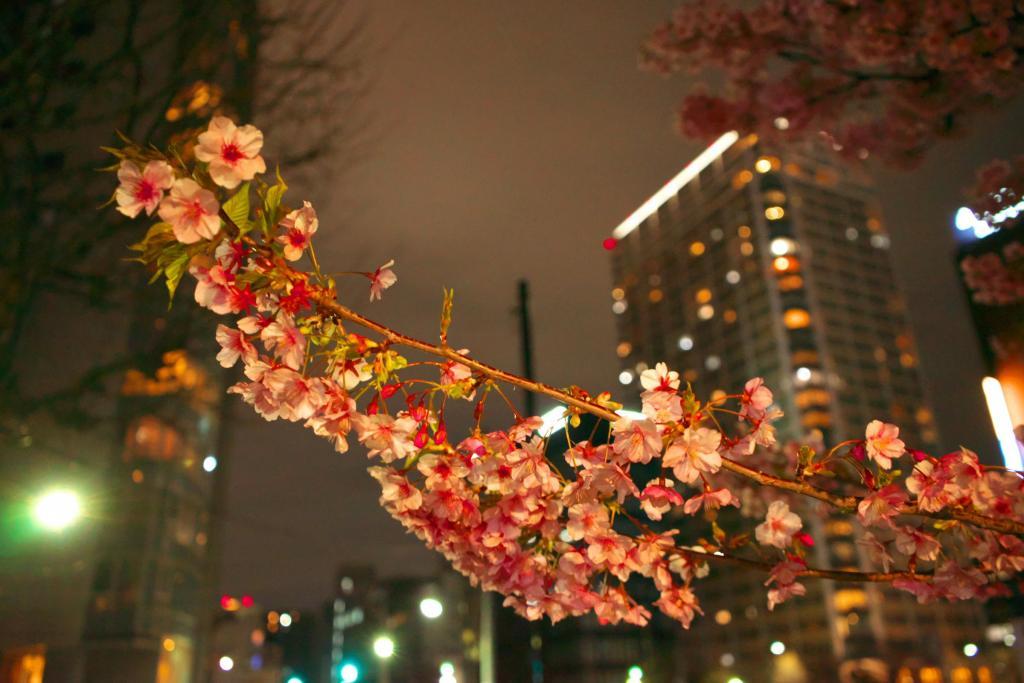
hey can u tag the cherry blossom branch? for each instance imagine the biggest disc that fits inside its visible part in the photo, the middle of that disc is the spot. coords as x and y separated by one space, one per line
331 306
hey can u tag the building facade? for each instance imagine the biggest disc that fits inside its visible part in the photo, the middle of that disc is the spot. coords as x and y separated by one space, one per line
761 262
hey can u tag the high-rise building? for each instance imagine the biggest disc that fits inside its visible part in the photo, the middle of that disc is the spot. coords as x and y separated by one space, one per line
762 262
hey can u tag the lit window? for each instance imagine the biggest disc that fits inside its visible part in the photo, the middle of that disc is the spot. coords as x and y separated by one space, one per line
703 296
697 248
723 617
763 165
774 213
685 342
781 123
618 294
655 295
790 282
746 248
804 356
930 674
781 246
874 225
796 318
138 476
619 307
625 377
741 179
782 263
640 367
706 312
816 418
690 375
744 231
732 277
852 234
907 360
623 349
803 374
848 599
718 394
717 234
839 527
879 241
729 316
775 196
712 363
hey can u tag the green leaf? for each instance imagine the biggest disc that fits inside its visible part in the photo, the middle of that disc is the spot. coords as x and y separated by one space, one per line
237 208
173 262
272 202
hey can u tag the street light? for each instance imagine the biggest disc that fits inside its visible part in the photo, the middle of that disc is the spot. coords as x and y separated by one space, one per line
970 649
777 647
57 509
383 647
431 608
226 663
635 674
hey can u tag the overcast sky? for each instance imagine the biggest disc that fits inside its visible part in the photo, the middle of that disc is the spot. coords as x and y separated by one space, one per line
509 139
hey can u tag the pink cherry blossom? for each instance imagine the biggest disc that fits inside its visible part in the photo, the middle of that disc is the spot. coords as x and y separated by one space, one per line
191 211
397 492
636 440
711 500
233 152
381 279
883 444
142 190
695 451
214 289
587 520
916 543
660 379
234 345
299 226
784 576
779 526
882 505
679 603
386 436
658 498
284 338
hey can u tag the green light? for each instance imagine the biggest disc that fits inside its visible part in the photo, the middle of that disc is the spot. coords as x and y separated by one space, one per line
635 674
349 673
294 679
58 509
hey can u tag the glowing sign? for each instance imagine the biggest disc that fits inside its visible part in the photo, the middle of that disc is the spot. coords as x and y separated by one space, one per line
673 186
965 220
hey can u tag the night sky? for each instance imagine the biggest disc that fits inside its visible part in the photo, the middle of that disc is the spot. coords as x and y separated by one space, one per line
507 140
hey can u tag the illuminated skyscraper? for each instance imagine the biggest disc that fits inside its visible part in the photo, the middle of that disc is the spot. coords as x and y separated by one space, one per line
753 262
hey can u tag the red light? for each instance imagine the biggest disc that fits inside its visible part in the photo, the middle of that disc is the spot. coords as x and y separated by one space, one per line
610 243
247 601
225 601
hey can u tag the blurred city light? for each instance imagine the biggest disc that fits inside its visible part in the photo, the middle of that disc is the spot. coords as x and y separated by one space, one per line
226 663
431 608
285 620
777 647
58 509
294 679
735 679
349 673
970 649
447 669
210 463
635 674
1001 422
383 647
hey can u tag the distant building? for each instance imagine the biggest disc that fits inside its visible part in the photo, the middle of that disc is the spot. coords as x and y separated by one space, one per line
398 630
754 262
991 263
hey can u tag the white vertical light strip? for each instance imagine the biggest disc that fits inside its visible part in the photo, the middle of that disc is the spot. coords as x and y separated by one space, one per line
1002 423
673 186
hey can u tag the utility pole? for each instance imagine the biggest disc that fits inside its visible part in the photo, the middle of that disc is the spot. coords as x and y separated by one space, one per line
526 342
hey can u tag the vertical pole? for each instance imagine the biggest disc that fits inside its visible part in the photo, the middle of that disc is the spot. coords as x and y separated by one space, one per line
526 342
487 637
